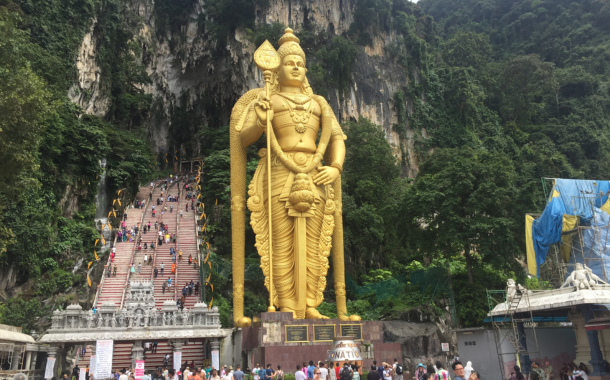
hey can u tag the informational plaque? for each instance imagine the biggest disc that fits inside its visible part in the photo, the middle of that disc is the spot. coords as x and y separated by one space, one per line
48 371
215 359
103 359
352 330
139 369
82 375
177 360
323 333
92 366
297 334
445 347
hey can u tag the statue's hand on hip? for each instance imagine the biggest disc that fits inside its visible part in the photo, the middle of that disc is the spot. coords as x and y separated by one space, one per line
326 175
261 107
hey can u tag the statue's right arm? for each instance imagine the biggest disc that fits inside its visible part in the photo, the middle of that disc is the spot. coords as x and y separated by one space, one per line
250 132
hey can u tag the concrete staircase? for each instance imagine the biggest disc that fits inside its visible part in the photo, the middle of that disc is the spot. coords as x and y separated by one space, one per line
112 289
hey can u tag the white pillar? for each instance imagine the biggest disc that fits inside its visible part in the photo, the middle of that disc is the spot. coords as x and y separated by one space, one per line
28 360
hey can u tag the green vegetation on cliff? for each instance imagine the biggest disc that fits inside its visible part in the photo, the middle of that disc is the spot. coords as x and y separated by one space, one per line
499 93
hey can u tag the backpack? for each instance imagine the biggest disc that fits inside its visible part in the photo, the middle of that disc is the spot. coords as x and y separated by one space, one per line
398 369
345 374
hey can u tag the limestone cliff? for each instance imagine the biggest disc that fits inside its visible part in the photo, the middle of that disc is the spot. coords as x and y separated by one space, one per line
190 68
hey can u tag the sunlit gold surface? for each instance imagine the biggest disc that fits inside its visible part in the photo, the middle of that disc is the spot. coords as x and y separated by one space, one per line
305 193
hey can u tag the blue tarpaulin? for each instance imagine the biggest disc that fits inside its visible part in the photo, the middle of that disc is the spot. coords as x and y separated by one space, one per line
581 198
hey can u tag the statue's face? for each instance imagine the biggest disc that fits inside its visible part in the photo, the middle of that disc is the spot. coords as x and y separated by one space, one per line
292 71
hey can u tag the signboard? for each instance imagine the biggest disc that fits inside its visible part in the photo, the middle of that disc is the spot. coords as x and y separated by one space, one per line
48 371
352 330
296 334
82 375
139 369
177 360
92 366
445 347
103 359
216 359
323 333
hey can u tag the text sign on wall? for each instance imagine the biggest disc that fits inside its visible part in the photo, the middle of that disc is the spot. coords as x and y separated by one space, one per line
352 330
323 333
139 369
216 359
82 375
445 347
92 365
103 359
48 371
177 360
297 334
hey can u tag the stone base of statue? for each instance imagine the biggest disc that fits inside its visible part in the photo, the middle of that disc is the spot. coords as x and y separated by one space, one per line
279 339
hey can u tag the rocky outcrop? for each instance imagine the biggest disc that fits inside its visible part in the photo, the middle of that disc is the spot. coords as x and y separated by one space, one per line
420 342
193 69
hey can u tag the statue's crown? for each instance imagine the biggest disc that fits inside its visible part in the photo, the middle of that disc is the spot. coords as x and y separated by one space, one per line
290 44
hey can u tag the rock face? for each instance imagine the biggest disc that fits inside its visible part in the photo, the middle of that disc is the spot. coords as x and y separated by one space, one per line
420 342
193 69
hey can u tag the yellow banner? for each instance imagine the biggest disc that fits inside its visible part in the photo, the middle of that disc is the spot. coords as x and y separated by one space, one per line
208 280
119 192
89 265
96 257
88 280
211 302
96 240
529 246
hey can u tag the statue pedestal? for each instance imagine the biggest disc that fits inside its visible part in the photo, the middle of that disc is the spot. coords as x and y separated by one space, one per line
277 338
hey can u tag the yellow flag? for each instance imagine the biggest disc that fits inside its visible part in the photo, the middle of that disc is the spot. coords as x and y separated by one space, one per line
114 213
96 240
110 212
89 265
119 202
109 226
210 264
166 161
119 192
198 196
212 286
96 257
216 201
201 217
204 228
211 302
207 257
113 202
88 280
208 244
208 280
103 240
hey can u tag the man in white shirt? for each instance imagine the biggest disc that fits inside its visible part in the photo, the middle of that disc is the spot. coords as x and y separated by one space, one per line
123 376
145 376
255 371
395 376
323 370
186 374
299 374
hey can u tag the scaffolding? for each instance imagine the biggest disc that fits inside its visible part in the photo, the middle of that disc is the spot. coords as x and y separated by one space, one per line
510 328
586 243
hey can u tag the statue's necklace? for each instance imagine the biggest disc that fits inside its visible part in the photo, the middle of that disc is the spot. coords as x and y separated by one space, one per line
299 115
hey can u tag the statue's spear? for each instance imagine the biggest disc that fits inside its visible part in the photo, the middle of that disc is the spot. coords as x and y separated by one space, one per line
268 60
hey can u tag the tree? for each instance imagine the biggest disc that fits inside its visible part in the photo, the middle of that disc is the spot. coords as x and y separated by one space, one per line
370 186
460 204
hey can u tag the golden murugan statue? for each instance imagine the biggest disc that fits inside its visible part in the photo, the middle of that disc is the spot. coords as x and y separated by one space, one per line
305 196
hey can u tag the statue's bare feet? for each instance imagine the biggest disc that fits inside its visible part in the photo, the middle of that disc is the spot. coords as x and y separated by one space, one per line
312 313
288 310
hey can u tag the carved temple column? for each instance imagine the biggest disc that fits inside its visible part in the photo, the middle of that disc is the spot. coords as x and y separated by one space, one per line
597 358
33 362
177 350
52 353
137 353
